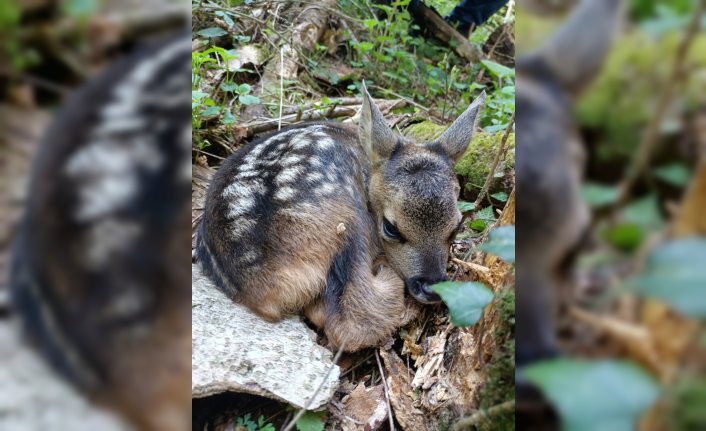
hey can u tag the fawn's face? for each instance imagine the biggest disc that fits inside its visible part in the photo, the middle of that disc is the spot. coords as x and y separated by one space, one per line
413 191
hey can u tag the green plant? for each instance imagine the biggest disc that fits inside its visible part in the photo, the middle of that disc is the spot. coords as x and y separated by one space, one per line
595 395
250 425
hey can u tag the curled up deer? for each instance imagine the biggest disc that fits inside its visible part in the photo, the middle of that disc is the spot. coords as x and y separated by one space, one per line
336 223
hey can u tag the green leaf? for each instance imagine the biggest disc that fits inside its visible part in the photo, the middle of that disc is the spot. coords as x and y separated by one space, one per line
465 206
625 236
249 99
311 421
675 174
486 214
599 195
501 196
229 87
226 17
228 117
498 70
501 242
211 111
644 212
675 273
198 95
244 89
478 225
212 32
80 8
466 300
594 395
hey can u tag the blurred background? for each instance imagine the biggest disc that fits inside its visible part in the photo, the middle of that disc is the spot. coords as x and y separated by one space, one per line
80 308
631 344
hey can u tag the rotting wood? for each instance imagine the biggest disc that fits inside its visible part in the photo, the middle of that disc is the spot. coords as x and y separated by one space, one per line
306 31
444 32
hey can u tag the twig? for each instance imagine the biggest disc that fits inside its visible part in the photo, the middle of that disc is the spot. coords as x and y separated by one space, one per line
649 141
301 412
496 160
406 99
281 86
35 80
206 153
481 416
478 269
311 115
387 392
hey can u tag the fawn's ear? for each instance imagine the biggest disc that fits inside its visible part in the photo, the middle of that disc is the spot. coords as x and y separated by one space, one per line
456 138
375 135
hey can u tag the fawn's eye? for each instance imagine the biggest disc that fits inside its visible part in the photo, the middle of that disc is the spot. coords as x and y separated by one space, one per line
390 231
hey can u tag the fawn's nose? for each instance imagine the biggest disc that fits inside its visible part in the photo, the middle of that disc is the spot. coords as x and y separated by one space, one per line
420 288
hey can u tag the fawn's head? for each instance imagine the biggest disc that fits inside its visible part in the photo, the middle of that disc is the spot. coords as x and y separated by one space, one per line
413 195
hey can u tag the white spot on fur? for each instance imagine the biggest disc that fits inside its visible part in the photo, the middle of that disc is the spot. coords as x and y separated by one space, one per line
250 256
107 171
315 176
107 167
107 238
241 197
248 174
285 193
327 189
325 143
292 159
288 176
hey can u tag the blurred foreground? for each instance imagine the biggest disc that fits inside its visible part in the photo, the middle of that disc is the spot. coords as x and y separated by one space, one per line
611 174
99 223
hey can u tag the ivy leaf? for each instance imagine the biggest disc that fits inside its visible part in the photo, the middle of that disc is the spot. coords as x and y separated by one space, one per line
594 395
675 273
466 300
465 206
675 174
212 32
501 242
501 196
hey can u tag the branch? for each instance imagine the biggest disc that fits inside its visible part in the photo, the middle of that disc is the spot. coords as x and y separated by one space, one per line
649 141
496 160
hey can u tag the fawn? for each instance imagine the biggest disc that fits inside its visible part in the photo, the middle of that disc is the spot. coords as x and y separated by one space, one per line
335 222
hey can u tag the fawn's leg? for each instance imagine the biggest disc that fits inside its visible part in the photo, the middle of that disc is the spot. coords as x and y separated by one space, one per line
368 311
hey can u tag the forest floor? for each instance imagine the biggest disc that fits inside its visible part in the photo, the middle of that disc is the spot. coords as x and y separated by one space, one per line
436 373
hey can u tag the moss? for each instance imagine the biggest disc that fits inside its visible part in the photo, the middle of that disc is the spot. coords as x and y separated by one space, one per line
425 131
500 384
475 165
621 101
